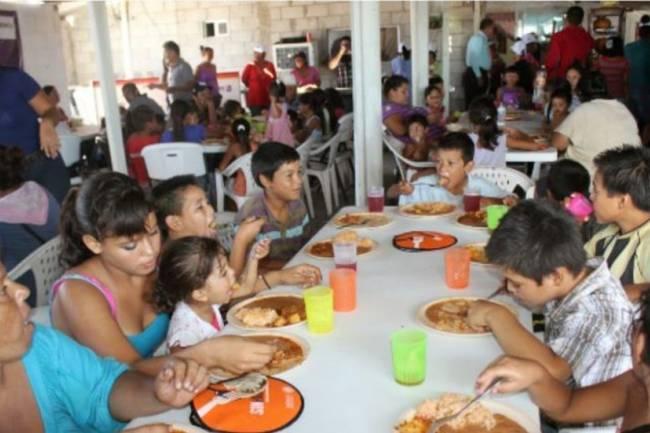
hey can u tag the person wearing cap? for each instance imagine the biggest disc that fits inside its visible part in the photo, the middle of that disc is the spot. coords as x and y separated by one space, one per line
478 61
258 76
638 55
341 62
401 64
178 78
572 44
306 76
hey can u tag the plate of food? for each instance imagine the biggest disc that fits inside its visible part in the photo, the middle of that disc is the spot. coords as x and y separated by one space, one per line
477 254
474 220
484 416
427 209
366 220
291 351
325 249
269 311
449 316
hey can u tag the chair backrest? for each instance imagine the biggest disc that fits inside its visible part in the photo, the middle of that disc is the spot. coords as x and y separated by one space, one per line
244 163
304 149
70 149
396 146
505 178
44 264
167 160
346 127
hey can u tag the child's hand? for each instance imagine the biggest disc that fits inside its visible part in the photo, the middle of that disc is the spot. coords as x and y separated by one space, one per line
260 249
240 355
477 316
250 228
510 200
405 188
301 275
179 381
516 375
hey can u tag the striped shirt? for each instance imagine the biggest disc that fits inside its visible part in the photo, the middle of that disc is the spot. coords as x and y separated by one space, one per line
627 254
287 238
589 327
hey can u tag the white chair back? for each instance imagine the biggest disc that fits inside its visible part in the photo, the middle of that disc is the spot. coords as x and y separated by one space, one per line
242 163
346 127
505 178
70 149
167 160
44 264
403 164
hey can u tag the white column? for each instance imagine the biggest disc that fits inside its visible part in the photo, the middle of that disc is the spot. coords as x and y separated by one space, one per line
444 56
477 15
104 58
366 94
125 28
419 50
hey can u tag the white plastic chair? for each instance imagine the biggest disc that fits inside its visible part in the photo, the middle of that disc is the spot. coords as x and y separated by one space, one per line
345 155
44 264
70 153
505 178
167 160
590 429
303 150
404 165
224 182
326 171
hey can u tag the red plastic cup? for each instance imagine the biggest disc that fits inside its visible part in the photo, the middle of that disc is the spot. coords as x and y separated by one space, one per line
376 199
457 262
472 201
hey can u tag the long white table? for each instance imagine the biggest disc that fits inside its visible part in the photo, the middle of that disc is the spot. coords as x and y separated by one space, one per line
347 379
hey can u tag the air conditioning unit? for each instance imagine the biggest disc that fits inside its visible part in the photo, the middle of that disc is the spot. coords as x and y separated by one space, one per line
283 54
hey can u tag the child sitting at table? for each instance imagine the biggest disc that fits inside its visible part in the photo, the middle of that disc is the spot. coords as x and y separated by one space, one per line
418 147
588 315
276 168
240 145
145 125
185 124
455 163
621 198
194 280
278 124
511 95
558 109
311 124
435 112
182 210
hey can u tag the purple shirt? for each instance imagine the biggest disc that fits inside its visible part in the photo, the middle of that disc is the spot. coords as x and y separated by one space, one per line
206 74
311 76
403 111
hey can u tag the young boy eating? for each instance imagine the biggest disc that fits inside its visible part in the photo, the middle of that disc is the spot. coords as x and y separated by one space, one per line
183 210
276 168
455 163
588 315
621 198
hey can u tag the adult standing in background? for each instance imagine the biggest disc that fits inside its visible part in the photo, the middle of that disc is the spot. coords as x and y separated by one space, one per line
638 55
306 76
401 63
22 103
572 44
177 79
258 76
206 73
478 61
341 62
136 99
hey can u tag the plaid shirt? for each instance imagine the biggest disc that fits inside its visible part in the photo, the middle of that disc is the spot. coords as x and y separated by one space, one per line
589 328
344 73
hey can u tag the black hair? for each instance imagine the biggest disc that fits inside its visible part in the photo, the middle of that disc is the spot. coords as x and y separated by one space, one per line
48 89
393 82
140 116
485 23
231 108
241 130
178 111
575 15
563 92
458 141
483 114
301 55
268 159
578 67
644 27
534 239
431 88
512 69
168 198
204 49
130 87
418 118
566 177
614 47
642 324
406 53
434 54
12 166
626 170
199 87
107 204
435 80
278 89
172 46
592 86
185 265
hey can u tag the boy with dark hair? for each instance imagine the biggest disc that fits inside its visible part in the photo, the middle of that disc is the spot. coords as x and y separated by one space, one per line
455 163
588 315
621 198
182 209
276 168
145 132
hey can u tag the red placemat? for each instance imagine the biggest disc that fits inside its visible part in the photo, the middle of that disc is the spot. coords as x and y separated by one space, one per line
430 241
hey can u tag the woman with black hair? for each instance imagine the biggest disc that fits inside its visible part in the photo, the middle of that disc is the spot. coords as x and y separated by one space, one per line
396 108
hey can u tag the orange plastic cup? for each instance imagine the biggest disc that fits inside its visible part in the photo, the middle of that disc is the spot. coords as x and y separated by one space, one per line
457 262
344 284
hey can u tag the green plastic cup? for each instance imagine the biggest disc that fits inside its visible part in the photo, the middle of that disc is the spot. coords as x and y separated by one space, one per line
319 304
494 214
409 348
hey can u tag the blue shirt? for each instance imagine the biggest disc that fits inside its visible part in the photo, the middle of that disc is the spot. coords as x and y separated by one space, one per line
71 384
638 55
18 120
477 56
402 67
193 134
423 191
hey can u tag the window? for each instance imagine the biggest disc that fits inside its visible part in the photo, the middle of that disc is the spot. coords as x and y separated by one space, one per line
215 28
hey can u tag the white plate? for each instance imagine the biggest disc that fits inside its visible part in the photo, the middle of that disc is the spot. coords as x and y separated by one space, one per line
215 376
403 213
388 221
187 428
498 409
234 321
375 245
424 320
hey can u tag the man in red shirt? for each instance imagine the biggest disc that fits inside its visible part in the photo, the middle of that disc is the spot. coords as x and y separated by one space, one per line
258 76
568 46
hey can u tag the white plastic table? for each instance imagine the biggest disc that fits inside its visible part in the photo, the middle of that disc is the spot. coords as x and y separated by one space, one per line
347 379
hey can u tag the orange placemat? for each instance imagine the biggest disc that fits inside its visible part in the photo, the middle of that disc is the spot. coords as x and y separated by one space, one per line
276 408
430 241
